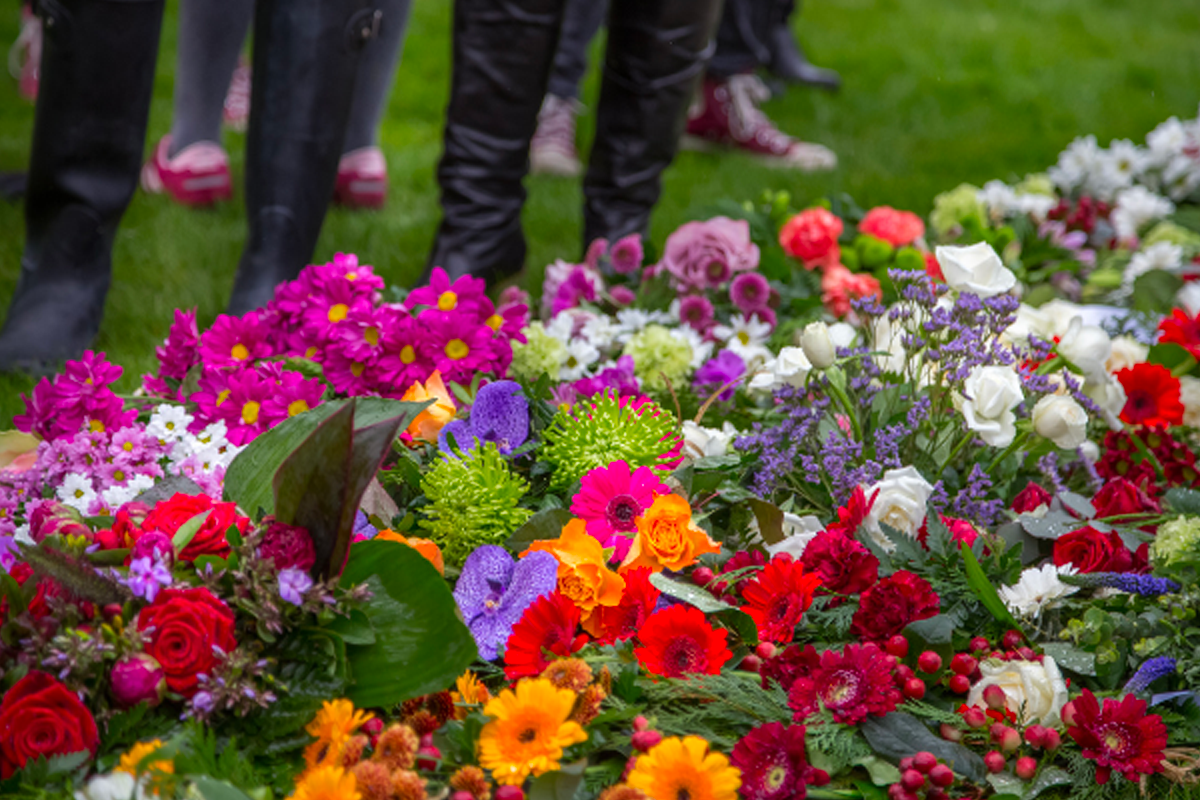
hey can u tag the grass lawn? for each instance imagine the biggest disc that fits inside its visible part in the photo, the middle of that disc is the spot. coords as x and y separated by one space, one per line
936 92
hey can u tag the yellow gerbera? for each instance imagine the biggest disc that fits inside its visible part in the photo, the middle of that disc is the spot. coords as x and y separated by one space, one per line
684 769
469 692
327 783
136 754
528 731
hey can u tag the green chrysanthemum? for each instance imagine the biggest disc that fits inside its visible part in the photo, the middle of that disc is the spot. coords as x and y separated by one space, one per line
659 357
600 430
474 501
1175 234
541 354
955 207
1177 543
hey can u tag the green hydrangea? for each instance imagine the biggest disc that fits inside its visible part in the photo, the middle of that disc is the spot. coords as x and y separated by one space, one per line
1036 183
541 354
600 430
659 357
954 207
1177 543
473 502
1175 234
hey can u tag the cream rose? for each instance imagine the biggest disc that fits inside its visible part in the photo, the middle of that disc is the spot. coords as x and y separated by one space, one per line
900 504
992 393
1060 419
1034 692
701 442
1109 394
789 368
975 269
1126 351
797 533
1189 395
1087 347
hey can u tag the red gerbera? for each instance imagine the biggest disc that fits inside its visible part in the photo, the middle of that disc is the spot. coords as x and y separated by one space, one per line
549 624
889 606
778 597
1118 736
774 763
844 565
679 641
611 624
853 685
851 515
1182 330
1152 396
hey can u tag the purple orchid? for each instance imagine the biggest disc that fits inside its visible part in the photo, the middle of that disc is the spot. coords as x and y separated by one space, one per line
493 592
500 414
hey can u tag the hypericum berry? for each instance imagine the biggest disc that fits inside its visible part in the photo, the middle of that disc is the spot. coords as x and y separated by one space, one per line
903 672
950 733
897 792
995 762
941 776
702 576
751 663
929 662
979 644
462 796
428 757
1007 738
924 761
1012 640
1035 735
906 763
963 664
640 723
1027 653
897 646
1068 713
959 684
914 688
975 717
1026 767
766 650
719 587
644 740
1051 739
912 780
373 726
509 793
936 794
994 697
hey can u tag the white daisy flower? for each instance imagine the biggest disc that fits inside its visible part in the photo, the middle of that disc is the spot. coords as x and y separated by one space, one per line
1038 589
745 337
76 491
169 423
580 355
1160 255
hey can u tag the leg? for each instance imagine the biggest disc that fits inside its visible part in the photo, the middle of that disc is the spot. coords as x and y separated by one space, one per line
502 55
581 22
657 50
787 58
96 80
741 39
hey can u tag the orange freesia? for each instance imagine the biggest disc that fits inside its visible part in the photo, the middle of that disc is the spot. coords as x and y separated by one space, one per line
430 422
425 547
583 575
667 538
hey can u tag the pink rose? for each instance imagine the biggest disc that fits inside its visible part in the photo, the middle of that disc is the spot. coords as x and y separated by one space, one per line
897 228
839 286
703 255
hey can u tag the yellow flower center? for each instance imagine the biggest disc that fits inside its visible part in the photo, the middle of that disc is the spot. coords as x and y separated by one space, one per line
297 407
96 426
351 276
447 301
407 354
743 337
494 322
457 349
310 352
223 396
356 369
127 447
239 352
250 412
338 312
776 777
371 335
118 475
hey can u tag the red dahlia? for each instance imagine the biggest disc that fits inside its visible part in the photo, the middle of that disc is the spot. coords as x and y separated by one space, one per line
774 764
617 623
1151 396
778 597
549 624
1182 330
679 641
844 565
853 685
888 607
1118 736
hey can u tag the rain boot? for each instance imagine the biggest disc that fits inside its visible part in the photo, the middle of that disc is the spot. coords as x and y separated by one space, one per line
305 60
96 81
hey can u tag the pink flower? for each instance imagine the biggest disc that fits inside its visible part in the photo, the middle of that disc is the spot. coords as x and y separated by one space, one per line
596 251
234 341
292 394
180 350
749 291
696 311
466 295
701 255
627 254
610 499
404 360
812 236
622 295
235 397
456 345
79 395
897 228
324 310
579 287
839 286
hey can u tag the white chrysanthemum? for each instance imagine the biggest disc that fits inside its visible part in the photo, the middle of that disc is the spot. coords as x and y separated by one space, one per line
580 355
1165 142
562 327
76 491
1181 177
632 320
745 337
1137 206
701 349
117 496
1160 255
1038 590
600 331
21 534
1075 163
169 423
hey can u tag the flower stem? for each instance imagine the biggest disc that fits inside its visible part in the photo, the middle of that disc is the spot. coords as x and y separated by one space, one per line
1017 443
835 388
967 437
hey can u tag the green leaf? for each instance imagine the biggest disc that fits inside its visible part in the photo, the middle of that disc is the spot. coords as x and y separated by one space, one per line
1155 291
559 785
986 592
187 531
213 789
933 634
1070 657
692 595
421 643
354 629
1183 501
883 773
1048 778
542 526
313 668
10 590
899 735
770 520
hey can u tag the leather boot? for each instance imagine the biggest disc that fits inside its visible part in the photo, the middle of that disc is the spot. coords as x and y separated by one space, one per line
306 56
657 50
787 56
502 55
97 77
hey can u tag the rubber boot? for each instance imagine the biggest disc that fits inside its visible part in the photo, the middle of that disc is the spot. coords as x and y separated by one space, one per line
306 55
503 50
787 56
96 80
657 50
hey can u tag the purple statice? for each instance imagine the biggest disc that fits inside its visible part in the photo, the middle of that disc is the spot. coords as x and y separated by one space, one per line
972 502
1130 582
720 373
779 444
843 465
919 412
888 440
1048 466
147 576
1150 671
293 583
619 378
493 592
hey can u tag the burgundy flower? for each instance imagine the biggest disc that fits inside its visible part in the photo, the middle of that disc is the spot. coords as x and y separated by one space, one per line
289 546
1118 736
844 565
889 606
774 763
853 685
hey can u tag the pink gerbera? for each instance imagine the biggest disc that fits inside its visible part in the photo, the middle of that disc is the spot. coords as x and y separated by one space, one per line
464 295
610 499
234 341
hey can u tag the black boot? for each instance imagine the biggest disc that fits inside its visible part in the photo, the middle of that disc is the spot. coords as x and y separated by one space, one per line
97 76
502 55
306 56
787 56
657 50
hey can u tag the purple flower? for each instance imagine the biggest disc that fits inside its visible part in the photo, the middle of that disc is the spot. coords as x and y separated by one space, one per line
717 372
154 545
749 292
702 255
500 414
293 583
493 592
1130 582
147 575
1149 672
619 378
627 254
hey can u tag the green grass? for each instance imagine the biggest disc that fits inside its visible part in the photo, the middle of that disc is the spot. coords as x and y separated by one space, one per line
936 92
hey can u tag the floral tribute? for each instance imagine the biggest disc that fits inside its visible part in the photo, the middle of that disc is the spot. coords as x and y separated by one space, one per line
819 502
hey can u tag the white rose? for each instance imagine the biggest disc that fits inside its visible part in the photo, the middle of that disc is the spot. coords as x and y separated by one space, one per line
1109 394
789 368
114 786
1087 347
1189 298
1061 420
1029 321
886 338
843 334
1034 692
817 345
900 504
1189 395
797 533
701 442
976 269
992 393
1126 351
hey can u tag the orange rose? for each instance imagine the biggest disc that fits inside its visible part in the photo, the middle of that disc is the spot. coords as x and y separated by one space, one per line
427 548
430 422
667 538
583 575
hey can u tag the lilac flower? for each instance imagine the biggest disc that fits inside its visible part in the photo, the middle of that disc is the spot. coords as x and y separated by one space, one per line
1149 672
717 372
293 583
147 575
363 526
493 592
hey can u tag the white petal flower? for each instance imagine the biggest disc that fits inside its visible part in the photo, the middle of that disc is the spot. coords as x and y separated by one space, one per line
76 491
1038 590
169 423
580 355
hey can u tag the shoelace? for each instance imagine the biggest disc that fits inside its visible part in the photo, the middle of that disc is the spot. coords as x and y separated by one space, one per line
747 120
237 99
200 157
557 121
28 40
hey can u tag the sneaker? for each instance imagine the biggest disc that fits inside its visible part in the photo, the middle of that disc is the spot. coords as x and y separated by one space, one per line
361 179
552 149
727 114
237 99
26 54
198 175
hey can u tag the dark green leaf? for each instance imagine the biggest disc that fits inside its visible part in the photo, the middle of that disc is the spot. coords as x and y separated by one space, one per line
187 531
1077 503
1183 501
108 558
354 629
10 590
899 735
1070 657
692 595
312 669
986 592
770 520
542 526
1155 291
213 789
559 785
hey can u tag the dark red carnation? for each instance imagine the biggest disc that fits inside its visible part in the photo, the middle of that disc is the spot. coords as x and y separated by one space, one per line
891 605
844 565
774 763
679 641
1182 330
184 629
548 625
617 623
170 515
853 684
1092 551
1031 498
789 664
778 597
40 717
289 546
1120 736
1151 396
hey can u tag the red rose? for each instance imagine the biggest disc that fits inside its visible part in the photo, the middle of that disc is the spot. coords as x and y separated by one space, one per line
39 716
1092 551
812 236
1123 497
933 269
1031 498
188 624
170 515
889 606
897 228
845 566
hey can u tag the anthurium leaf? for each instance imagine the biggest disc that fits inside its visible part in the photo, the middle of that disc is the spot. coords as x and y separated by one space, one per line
559 785
544 525
187 531
899 735
985 591
692 595
770 520
421 644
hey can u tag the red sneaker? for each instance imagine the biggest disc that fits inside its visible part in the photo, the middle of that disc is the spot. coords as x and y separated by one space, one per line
236 112
26 54
727 114
362 179
198 175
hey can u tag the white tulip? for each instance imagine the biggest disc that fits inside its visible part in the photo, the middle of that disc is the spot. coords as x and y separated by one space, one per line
818 345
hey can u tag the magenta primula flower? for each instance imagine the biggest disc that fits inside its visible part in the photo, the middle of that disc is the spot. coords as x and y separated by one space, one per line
291 394
235 341
403 361
181 349
610 499
465 295
79 396
329 307
347 375
456 344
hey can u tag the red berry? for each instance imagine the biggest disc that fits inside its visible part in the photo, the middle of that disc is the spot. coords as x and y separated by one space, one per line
941 776
462 796
818 777
979 644
994 697
1008 738
903 672
751 663
936 794
1011 640
719 587
950 733
912 780
702 576
929 662
975 717
994 762
963 664
509 793
1068 713
897 792
766 650
914 688
959 684
1026 767
1051 739
924 761
428 758
897 646
373 726
1035 735
644 740
427 740
906 763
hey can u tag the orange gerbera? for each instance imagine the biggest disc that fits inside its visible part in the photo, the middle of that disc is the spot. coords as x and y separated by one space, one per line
430 422
426 547
685 768
582 574
327 783
667 538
